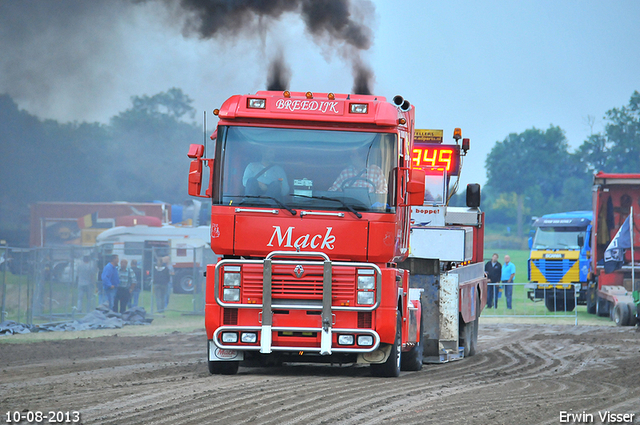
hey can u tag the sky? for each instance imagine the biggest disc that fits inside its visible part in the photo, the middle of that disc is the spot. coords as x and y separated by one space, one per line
489 67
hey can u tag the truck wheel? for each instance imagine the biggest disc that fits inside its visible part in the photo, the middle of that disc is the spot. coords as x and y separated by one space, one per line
560 300
412 360
184 283
391 368
591 298
633 319
466 334
602 307
476 323
621 314
221 368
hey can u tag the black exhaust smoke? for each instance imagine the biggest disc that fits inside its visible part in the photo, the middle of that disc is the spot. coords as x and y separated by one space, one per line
330 22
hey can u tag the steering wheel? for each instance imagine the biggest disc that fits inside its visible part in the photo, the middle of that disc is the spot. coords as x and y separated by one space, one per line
355 179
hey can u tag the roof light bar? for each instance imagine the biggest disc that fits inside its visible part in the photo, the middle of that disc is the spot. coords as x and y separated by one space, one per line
256 103
358 108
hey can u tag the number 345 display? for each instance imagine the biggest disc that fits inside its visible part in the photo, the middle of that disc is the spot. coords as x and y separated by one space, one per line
434 159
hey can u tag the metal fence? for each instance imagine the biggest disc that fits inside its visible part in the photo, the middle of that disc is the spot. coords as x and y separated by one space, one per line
41 284
523 300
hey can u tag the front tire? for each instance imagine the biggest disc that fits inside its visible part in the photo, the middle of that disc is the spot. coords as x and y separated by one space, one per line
560 300
221 368
621 314
391 368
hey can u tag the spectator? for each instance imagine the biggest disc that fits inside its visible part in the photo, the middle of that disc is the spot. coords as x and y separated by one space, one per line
167 262
135 293
508 274
86 276
493 270
110 280
161 279
127 282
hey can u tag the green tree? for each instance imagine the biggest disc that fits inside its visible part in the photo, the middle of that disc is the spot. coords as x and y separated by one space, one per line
534 157
618 149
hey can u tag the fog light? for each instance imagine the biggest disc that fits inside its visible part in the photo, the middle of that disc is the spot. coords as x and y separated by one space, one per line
249 338
345 339
229 337
365 298
365 340
231 294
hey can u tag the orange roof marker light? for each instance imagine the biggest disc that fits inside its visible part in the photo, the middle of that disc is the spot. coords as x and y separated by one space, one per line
309 95
216 112
331 96
286 94
402 121
457 134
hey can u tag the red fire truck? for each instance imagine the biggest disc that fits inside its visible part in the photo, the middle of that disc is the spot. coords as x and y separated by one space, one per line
615 197
312 196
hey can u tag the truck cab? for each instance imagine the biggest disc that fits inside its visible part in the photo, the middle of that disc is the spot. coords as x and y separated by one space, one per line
559 260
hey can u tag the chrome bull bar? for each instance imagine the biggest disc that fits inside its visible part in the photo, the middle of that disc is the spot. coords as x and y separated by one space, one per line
326 308
239 329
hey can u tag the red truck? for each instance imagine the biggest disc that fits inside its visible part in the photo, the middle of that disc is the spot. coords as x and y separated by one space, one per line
611 294
312 197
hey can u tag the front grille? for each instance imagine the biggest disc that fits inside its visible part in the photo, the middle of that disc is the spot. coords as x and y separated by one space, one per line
555 270
230 316
364 320
285 285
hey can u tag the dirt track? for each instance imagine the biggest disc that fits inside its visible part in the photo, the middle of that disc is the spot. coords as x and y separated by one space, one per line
523 374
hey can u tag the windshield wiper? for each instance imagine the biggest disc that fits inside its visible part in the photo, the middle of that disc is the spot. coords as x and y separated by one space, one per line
326 198
280 203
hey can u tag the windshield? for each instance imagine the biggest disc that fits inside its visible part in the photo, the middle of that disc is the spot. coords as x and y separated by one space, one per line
307 169
557 238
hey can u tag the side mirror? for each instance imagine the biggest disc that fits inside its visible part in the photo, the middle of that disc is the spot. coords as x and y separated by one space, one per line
473 195
195 171
415 187
530 240
580 241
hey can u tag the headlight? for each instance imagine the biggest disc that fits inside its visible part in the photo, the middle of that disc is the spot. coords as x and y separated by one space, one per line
231 279
231 294
345 339
365 340
229 337
366 282
249 338
365 298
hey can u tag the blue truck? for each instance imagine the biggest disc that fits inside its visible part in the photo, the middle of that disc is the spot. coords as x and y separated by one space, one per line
560 258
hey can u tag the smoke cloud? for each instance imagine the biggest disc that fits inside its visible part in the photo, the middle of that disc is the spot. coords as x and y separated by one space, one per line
279 74
65 57
336 23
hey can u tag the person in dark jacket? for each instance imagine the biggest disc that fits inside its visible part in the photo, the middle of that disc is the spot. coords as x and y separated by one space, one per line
161 279
493 270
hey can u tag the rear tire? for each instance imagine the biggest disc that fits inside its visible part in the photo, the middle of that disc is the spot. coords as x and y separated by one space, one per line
221 368
592 297
633 318
602 307
412 360
621 314
391 368
555 299
184 283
